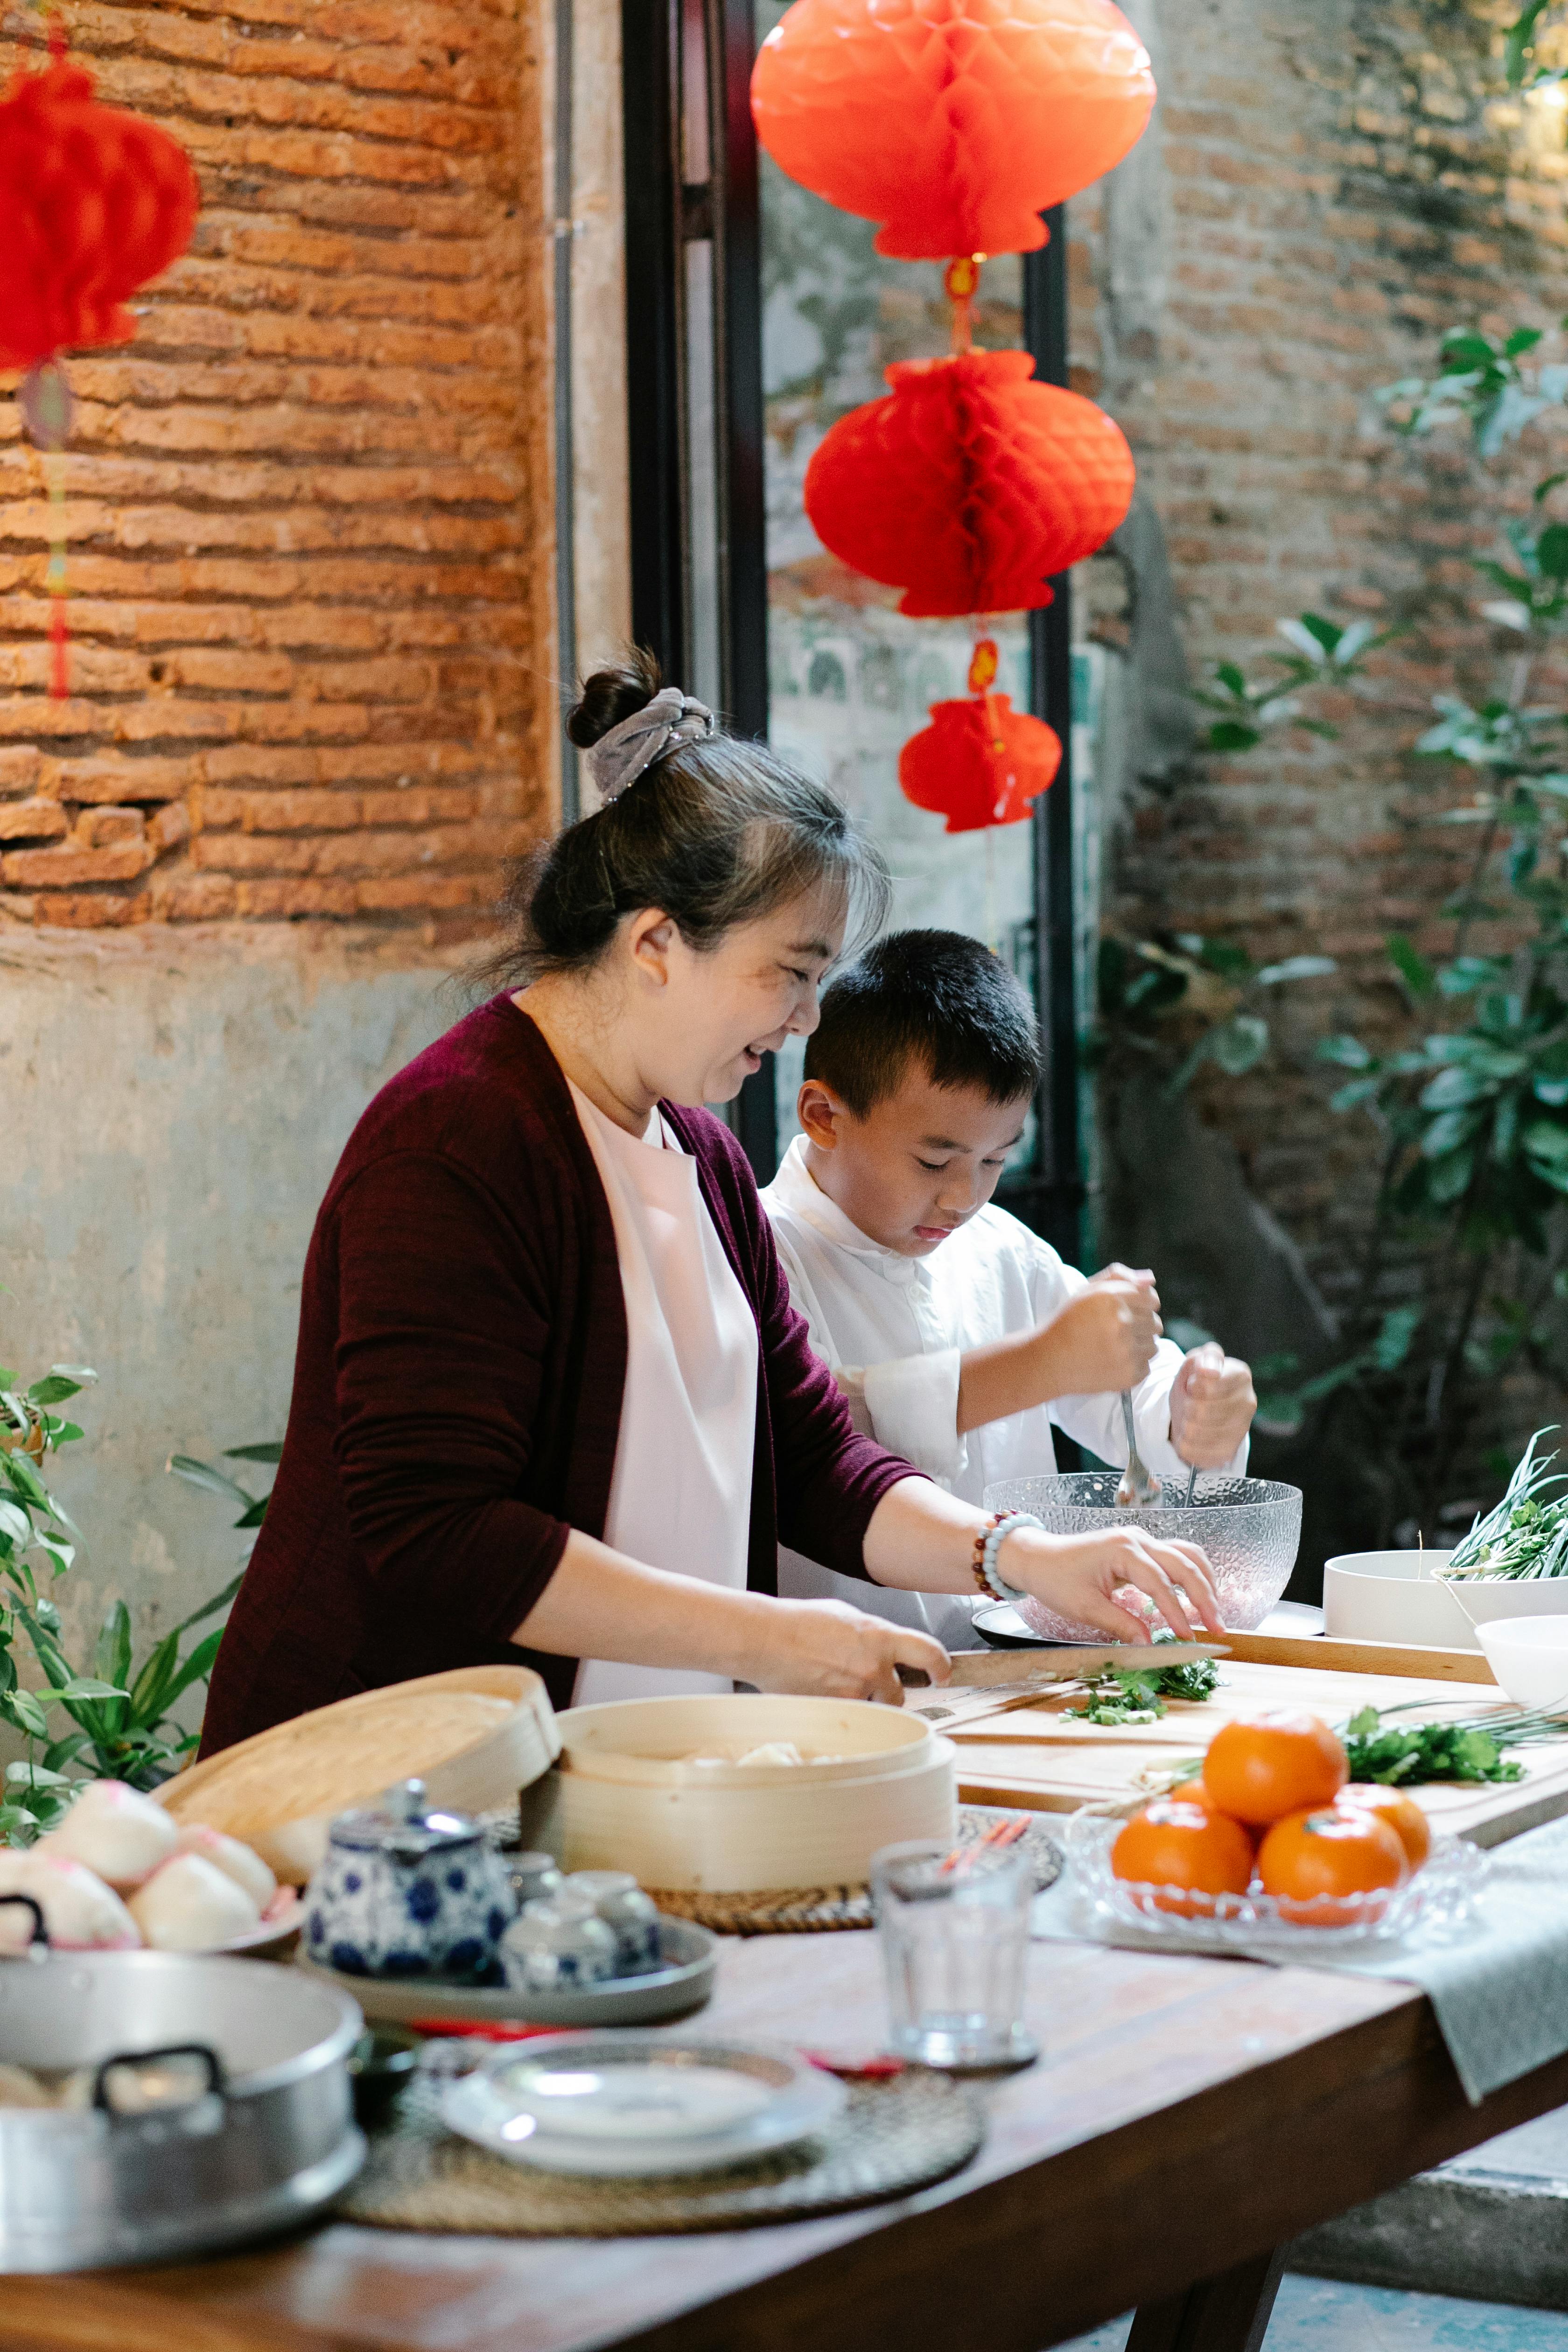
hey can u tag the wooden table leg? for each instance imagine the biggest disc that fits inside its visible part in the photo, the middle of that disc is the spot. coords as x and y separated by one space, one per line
1226 2314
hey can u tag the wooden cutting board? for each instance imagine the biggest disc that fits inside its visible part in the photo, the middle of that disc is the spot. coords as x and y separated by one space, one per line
474 1736
1034 1756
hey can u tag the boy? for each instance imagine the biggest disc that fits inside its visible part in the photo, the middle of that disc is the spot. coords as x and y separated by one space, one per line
959 1336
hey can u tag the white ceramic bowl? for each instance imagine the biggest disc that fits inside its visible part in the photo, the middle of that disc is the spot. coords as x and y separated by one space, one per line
1529 1655
1394 1596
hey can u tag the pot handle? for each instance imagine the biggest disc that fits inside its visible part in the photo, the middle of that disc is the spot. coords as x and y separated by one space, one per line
214 2087
40 1935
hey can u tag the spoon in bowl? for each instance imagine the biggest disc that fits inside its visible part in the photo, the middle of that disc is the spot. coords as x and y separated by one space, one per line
1139 1487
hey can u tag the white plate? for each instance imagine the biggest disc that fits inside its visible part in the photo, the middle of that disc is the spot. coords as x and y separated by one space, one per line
286 1922
679 2107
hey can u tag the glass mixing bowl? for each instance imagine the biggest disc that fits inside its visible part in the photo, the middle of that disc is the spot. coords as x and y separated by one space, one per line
1249 1528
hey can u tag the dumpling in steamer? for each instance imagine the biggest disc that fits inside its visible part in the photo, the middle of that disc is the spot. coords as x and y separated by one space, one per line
116 1831
189 1905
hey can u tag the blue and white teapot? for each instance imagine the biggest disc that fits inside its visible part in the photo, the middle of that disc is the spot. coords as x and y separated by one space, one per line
406 1890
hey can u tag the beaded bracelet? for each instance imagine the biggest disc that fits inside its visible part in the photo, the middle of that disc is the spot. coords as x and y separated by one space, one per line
988 1542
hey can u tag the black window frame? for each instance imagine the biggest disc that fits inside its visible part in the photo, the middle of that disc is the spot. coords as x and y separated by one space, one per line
663 214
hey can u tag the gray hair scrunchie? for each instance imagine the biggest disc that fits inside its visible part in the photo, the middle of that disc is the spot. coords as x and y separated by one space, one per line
632 745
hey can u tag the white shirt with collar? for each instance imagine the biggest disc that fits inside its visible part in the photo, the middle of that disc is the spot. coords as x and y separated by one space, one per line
893 1330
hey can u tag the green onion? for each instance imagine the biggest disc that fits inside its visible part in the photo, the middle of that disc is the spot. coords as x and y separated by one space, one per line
1527 1533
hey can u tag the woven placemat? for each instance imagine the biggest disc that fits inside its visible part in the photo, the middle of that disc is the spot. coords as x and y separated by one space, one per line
892 2138
818 1910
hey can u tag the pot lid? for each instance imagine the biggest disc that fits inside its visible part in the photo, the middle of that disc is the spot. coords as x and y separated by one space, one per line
404 1825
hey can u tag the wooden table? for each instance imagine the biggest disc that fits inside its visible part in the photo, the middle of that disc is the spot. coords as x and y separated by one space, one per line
1189 2116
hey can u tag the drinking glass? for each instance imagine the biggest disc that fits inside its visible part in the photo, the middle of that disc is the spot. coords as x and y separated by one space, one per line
955 1936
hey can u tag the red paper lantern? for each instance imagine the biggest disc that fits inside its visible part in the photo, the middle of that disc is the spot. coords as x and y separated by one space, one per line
953 122
970 485
979 762
94 203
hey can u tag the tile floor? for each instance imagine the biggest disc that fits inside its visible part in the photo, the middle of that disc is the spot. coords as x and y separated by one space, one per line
1320 2315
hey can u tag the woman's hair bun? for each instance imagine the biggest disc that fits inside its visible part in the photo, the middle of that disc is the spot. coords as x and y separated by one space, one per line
611 694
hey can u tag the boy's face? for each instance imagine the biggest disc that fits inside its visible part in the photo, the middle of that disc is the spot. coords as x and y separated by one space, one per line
917 1165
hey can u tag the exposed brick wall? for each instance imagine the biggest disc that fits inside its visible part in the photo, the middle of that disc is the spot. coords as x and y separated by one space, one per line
1340 182
307 505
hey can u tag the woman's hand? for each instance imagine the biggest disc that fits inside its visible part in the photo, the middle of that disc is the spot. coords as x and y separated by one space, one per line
1212 1404
825 1649
1081 1576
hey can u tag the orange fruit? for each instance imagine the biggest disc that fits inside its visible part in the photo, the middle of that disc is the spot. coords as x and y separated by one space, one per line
1402 1814
1327 1851
1192 1792
1172 1845
1261 1767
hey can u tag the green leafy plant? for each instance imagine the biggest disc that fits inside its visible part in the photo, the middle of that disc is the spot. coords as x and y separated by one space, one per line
1150 988
121 1714
37 1540
1323 652
1463 1261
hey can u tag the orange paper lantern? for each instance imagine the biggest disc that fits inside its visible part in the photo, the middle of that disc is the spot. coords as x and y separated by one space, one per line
953 122
979 762
95 201
970 485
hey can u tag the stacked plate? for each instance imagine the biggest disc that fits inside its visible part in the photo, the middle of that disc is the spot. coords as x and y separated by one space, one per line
628 2106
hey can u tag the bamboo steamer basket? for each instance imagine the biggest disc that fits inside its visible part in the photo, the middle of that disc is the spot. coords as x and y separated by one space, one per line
474 1736
628 1799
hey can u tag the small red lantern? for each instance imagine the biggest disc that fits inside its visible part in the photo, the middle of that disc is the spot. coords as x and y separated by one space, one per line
953 122
970 485
980 762
95 201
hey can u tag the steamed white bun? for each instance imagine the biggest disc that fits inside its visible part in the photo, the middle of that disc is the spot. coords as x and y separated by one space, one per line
115 1831
236 1861
188 1905
80 1913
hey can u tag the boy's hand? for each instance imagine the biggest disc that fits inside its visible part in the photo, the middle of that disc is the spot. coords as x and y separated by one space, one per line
1104 1339
1212 1404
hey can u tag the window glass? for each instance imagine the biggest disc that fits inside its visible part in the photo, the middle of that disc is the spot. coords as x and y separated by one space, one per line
849 679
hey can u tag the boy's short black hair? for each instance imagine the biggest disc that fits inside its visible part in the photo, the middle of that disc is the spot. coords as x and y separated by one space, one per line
936 995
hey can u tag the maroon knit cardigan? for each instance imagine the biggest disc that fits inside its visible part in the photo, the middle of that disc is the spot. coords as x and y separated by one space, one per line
457 1389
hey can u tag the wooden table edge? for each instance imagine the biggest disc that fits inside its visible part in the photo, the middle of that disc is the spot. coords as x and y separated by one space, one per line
1367 2106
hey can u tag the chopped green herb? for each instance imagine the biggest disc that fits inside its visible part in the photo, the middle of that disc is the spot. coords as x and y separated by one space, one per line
1402 1756
1121 1695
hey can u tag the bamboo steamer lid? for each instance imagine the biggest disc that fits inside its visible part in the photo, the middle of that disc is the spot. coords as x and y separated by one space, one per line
474 1736
629 1796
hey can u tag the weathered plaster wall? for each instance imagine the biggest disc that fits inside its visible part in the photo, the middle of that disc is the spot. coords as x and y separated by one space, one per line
314 689
173 1107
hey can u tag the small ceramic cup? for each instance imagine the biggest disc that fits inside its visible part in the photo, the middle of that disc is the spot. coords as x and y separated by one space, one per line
631 1917
557 1946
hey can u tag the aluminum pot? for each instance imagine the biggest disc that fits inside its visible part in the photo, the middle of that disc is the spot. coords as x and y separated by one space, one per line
217 2107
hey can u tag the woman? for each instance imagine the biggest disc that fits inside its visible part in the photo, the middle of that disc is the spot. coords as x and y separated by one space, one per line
550 1402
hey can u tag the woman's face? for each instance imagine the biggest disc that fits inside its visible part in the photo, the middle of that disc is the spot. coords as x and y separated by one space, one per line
707 1019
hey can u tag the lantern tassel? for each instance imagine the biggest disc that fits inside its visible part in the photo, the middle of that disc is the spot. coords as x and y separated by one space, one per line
960 283
55 583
